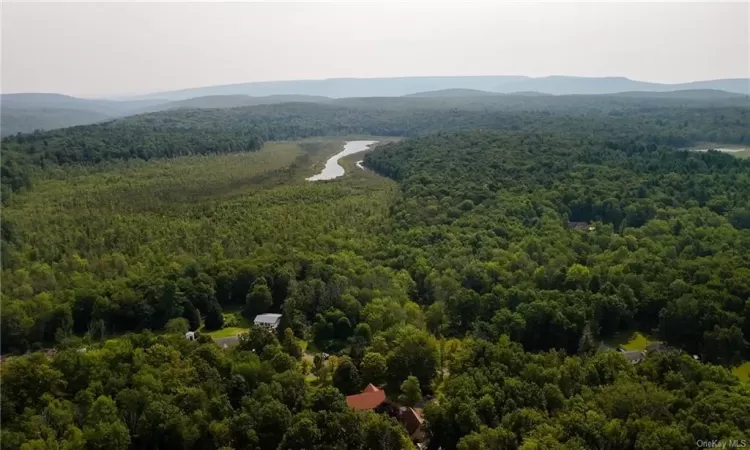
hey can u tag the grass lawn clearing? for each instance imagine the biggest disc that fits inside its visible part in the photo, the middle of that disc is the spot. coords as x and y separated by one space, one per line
225 332
742 371
629 340
239 325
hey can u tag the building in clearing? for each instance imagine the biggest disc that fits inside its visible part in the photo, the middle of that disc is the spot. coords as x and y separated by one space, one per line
657 347
270 321
581 226
634 356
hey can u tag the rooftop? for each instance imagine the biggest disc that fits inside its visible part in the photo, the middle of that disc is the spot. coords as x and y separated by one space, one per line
633 356
370 398
412 420
583 226
267 318
657 347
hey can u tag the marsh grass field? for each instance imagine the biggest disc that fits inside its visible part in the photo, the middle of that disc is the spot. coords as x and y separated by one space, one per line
235 205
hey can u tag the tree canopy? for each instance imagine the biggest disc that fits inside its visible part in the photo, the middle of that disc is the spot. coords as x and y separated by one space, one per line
479 267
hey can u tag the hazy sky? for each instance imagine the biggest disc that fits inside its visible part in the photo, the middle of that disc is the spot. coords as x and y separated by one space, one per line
92 49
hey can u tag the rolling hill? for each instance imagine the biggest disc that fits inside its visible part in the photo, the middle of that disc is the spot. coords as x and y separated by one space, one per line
235 101
452 93
27 120
563 85
32 111
395 87
342 87
692 94
472 93
24 113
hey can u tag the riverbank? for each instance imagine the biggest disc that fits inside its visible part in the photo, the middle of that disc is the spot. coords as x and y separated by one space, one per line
332 167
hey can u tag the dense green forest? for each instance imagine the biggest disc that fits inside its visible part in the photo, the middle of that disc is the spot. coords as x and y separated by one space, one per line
480 263
156 392
483 228
213 131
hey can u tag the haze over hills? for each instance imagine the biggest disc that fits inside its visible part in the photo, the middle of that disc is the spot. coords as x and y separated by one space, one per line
236 101
693 94
343 87
31 111
27 112
26 120
394 87
563 85
51 100
453 93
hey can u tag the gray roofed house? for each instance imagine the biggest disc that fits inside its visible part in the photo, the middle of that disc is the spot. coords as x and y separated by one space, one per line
657 347
268 320
581 226
633 356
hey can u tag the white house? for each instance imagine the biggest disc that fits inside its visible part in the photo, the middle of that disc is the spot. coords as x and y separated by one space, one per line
190 335
268 320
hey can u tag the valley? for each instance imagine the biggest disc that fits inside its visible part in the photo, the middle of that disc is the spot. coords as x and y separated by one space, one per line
470 264
374 225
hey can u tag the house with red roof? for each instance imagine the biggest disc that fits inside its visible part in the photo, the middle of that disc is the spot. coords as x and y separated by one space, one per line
371 398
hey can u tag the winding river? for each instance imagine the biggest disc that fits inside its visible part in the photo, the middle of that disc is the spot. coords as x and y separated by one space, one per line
333 169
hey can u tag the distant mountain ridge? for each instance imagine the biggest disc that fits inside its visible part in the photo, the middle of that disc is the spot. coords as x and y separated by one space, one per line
396 87
695 94
692 94
104 106
563 85
27 112
236 101
453 93
342 87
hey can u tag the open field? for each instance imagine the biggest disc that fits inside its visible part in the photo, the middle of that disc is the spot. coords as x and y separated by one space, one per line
629 340
239 325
